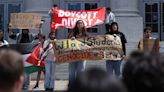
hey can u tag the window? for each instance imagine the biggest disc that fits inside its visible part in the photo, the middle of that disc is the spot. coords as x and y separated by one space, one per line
151 16
89 6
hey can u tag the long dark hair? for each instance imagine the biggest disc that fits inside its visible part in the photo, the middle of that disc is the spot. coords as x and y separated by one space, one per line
76 29
113 23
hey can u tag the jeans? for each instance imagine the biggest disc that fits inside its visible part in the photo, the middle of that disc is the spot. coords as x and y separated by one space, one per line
74 69
113 65
26 82
122 67
49 74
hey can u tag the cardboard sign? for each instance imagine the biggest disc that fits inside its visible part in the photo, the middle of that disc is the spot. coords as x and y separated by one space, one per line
151 45
68 18
99 47
25 21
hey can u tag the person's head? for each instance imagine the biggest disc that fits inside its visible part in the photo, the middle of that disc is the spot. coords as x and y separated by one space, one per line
147 32
11 70
79 27
95 80
1 34
80 24
144 72
108 9
55 5
52 35
114 26
25 31
41 37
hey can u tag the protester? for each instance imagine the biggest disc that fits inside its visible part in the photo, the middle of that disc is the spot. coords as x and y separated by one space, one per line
24 37
109 18
147 35
114 65
51 11
41 40
144 72
11 71
48 54
76 67
3 43
96 80
51 14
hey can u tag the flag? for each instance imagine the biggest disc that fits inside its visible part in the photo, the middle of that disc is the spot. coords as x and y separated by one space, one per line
34 58
30 68
30 54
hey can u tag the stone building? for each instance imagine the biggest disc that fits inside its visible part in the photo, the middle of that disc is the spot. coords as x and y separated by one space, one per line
127 14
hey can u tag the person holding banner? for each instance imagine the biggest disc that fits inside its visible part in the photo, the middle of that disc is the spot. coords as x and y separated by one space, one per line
76 67
51 13
3 43
49 59
114 65
24 37
109 18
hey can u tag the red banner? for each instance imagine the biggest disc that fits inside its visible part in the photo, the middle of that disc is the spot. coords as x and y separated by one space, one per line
68 18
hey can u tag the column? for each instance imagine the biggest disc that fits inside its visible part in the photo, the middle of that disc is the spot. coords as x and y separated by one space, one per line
128 18
125 7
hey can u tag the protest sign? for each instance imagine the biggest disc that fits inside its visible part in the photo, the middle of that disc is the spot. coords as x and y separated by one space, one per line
99 47
25 21
151 45
68 18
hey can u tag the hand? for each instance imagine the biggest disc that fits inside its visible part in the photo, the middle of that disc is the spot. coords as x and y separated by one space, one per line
124 57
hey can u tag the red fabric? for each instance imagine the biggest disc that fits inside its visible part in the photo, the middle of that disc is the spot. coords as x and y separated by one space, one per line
34 57
68 18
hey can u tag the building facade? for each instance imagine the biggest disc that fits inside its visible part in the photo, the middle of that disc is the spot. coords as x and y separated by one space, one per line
152 12
128 15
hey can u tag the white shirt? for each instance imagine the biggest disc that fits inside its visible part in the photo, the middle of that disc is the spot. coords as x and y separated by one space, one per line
110 17
49 53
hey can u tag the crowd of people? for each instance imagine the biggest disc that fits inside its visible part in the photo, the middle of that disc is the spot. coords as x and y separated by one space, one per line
142 71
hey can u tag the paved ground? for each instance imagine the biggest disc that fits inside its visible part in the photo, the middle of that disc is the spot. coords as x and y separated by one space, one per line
60 85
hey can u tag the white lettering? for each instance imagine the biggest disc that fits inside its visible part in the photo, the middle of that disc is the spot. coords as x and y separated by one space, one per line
73 14
89 15
84 15
78 14
67 13
61 13
90 22
64 21
94 15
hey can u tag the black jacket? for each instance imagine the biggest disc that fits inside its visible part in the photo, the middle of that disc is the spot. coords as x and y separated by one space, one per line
123 39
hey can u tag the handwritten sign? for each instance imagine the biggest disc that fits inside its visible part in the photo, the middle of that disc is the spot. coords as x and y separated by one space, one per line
25 21
99 47
151 45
